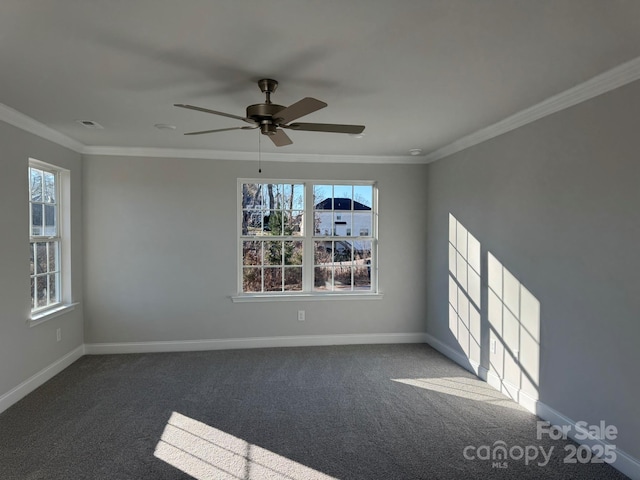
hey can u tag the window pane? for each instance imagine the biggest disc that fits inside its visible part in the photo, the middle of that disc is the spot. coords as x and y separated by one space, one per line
293 279
49 187
252 209
273 279
362 224
342 223
322 252
252 222
362 278
294 222
273 252
41 257
251 196
50 221
293 253
251 279
41 291
252 252
36 219
32 266
323 197
33 284
341 204
323 223
52 250
293 197
273 222
362 252
53 288
342 278
342 195
322 278
342 251
35 184
363 196
274 195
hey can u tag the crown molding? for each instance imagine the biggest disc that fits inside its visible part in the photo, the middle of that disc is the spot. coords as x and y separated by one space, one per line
603 83
249 156
28 124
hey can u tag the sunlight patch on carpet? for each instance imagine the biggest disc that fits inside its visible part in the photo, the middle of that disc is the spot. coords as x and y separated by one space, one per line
464 388
204 452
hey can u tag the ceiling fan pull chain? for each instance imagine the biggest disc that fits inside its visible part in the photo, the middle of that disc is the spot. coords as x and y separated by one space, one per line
259 155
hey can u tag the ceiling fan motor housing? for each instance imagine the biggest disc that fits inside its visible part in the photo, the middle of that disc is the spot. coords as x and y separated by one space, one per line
264 114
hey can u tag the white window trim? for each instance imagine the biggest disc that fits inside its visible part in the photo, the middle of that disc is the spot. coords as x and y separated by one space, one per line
306 295
302 297
55 311
66 304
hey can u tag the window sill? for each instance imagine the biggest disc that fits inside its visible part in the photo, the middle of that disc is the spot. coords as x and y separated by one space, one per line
41 317
304 297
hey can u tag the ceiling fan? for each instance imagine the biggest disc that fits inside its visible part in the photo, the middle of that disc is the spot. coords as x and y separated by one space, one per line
271 118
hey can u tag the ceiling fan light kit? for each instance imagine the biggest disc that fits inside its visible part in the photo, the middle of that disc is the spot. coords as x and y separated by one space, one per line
271 118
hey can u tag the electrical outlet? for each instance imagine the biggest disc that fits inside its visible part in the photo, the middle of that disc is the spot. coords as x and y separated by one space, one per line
301 315
58 334
493 345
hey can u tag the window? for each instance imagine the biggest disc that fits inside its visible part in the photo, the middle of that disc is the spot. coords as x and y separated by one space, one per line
297 237
45 238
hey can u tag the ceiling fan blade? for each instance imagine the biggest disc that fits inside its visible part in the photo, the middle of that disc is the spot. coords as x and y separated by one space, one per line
206 110
221 130
326 127
280 139
299 109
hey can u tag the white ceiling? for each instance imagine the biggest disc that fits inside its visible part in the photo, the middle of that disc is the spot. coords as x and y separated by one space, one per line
418 74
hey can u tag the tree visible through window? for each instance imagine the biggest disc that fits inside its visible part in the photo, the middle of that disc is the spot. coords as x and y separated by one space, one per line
44 233
272 224
303 237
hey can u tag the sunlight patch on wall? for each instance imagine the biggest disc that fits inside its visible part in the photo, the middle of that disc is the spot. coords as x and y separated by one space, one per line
462 387
514 321
464 289
204 452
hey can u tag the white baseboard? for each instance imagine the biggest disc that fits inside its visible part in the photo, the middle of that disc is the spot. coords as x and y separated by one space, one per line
456 356
29 385
47 373
624 463
521 397
254 342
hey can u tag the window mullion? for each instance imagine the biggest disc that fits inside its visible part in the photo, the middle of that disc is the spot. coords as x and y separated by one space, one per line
307 245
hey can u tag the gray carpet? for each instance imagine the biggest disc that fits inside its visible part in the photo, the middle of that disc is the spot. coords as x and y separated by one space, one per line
347 412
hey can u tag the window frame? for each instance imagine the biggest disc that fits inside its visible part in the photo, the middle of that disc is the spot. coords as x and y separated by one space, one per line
308 238
61 237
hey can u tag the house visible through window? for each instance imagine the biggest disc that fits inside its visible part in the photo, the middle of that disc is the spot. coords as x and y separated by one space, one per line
299 237
45 239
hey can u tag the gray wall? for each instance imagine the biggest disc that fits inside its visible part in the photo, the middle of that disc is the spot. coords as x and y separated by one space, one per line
25 350
556 202
160 253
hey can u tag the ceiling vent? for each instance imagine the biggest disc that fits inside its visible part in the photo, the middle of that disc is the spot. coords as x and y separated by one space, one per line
90 124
